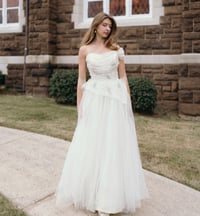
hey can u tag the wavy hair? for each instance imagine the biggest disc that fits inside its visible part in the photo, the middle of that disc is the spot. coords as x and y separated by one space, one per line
110 41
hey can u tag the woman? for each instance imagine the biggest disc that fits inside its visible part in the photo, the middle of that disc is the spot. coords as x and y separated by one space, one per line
103 171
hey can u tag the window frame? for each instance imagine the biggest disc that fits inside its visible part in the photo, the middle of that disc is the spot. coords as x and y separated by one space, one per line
6 27
156 10
106 9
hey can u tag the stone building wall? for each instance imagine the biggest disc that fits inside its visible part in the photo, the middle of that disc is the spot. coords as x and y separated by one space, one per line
36 81
42 27
52 33
68 38
189 89
189 75
42 37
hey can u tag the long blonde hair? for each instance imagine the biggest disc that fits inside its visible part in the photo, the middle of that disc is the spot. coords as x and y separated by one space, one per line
110 41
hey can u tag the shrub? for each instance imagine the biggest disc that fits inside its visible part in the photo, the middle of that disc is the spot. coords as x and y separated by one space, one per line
1 78
143 95
63 85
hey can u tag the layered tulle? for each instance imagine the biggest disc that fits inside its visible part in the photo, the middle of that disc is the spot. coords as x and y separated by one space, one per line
103 169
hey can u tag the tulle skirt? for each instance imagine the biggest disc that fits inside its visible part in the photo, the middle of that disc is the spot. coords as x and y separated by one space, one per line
103 170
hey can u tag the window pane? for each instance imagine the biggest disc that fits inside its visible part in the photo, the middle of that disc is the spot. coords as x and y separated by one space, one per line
94 8
12 16
1 3
12 3
140 6
117 7
1 19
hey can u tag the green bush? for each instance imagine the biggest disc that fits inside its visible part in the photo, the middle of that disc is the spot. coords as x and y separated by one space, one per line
143 95
63 84
1 78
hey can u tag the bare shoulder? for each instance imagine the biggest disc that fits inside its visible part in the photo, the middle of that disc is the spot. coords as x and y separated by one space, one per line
83 50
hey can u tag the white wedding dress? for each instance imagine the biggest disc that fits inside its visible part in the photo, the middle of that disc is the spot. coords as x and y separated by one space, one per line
103 169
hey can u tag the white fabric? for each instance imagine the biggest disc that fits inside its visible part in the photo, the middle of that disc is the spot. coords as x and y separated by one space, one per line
103 169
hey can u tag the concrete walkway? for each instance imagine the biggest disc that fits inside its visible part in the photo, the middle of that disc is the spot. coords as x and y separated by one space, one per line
31 164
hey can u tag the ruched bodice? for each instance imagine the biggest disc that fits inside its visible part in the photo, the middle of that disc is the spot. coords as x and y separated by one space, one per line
103 70
104 65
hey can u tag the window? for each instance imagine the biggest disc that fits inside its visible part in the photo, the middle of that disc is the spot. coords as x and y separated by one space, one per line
117 7
10 15
94 7
126 12
9 11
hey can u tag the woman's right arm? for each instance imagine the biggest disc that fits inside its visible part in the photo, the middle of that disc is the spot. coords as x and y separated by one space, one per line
81 74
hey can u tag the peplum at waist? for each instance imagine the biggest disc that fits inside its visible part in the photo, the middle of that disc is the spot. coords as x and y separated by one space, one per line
113 88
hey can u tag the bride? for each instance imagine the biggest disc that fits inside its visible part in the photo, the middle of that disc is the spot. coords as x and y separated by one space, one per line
102 171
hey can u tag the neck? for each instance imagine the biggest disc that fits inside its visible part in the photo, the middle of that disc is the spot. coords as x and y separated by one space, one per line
99 40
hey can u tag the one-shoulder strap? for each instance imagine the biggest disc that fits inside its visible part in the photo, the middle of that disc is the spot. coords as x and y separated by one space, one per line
121 53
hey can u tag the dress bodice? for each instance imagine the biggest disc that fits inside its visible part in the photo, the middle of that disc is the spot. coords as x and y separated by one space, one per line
103 70
104 65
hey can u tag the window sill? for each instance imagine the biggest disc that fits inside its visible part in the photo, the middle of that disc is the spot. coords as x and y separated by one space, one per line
11 28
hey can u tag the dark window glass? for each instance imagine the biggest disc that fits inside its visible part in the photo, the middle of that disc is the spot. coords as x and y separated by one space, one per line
12 16
1 18
140 6
94 8
117 7
12 3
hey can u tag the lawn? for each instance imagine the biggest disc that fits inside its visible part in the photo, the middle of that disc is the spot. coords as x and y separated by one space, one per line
7 209
169 145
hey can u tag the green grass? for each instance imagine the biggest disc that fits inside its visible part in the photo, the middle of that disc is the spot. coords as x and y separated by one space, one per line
169 145
7 209
40 115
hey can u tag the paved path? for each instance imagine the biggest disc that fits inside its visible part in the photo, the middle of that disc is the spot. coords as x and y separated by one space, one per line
30 167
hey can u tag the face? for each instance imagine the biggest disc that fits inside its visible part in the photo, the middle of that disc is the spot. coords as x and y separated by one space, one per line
104 28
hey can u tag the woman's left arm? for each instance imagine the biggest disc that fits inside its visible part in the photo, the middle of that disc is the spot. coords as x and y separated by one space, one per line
122 73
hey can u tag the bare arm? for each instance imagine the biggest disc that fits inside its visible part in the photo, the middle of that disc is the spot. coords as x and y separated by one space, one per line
122 74
81 74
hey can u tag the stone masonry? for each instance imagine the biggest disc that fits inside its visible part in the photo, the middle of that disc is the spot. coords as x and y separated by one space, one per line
51 32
